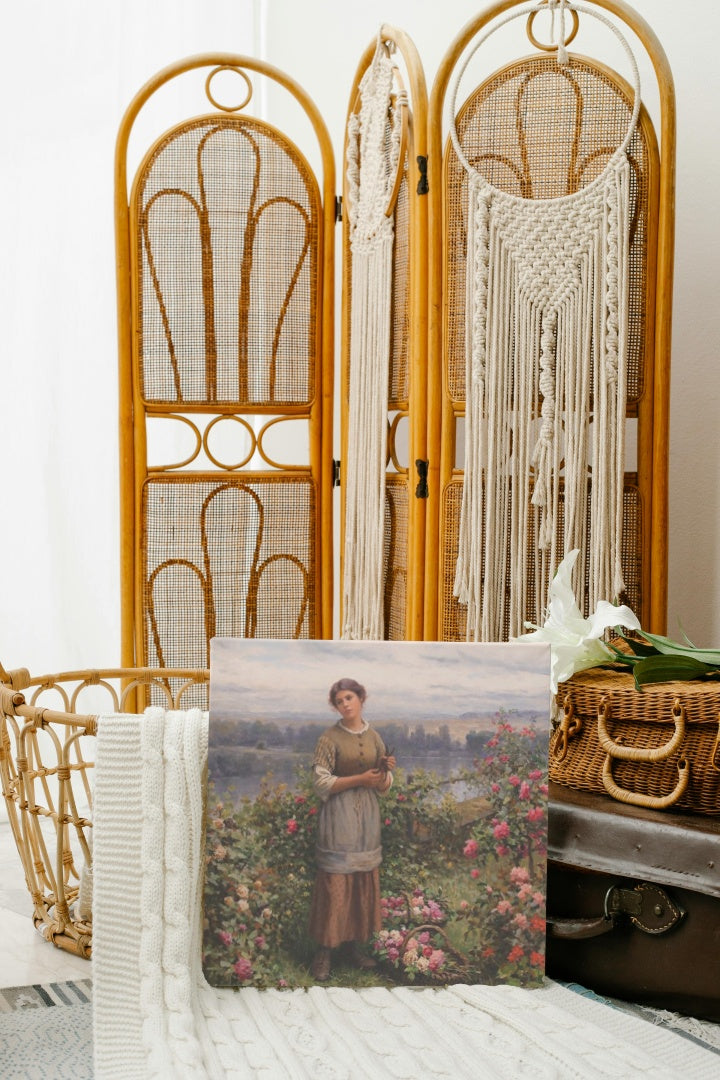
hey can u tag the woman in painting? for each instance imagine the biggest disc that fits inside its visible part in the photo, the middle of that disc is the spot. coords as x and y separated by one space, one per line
351 767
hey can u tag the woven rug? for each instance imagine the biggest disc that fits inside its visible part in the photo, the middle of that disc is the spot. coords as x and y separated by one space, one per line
46 1031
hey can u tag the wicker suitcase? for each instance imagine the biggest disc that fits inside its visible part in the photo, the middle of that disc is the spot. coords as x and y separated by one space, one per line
655 748
634 902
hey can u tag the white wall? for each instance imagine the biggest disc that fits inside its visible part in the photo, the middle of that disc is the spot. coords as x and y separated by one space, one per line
67 72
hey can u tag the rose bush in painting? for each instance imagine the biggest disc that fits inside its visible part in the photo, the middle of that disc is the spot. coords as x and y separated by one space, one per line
463 897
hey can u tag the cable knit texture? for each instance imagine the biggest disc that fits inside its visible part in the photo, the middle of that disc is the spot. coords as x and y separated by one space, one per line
155 1015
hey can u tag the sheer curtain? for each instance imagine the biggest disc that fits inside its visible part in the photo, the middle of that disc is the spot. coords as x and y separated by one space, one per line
68 71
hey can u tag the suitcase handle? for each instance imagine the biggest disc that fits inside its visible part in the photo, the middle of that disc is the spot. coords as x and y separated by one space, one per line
634 798
647 906
634 753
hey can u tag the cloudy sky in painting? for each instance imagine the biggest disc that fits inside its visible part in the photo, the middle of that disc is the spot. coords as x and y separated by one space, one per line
270 679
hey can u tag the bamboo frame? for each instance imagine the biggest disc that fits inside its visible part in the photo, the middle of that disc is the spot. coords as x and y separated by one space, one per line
414 407
41 747
654 410
134 411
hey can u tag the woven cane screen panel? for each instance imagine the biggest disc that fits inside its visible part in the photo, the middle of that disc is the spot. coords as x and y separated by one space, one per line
540 131
232 557
396 556
226 217
453 615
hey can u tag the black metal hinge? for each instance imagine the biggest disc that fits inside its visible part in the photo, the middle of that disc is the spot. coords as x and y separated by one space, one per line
336 474
421 491
422 187
338 208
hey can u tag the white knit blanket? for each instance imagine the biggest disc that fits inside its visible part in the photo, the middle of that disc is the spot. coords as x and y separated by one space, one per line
155 1016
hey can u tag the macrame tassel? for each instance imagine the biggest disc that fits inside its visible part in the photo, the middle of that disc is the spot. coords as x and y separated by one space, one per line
365 473
547 320
370 170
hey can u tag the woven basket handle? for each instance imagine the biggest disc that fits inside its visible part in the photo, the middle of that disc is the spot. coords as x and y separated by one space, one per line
633 753
652 802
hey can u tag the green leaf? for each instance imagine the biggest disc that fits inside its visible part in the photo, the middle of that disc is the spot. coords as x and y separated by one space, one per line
655 669
620 657
687 639
671 648
640 648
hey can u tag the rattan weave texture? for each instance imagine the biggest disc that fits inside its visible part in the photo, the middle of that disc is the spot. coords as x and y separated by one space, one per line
227 217
233 557
47 754
605 719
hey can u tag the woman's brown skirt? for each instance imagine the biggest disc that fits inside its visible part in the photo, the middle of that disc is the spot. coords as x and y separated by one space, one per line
345 907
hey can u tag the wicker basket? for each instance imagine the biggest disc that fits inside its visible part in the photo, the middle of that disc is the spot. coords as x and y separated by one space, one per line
46 754
658 747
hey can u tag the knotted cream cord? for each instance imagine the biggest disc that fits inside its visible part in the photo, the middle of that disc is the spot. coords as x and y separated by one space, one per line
372 163
546 319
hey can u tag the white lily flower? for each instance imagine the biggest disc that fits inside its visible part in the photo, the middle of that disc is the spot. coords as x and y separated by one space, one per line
575 642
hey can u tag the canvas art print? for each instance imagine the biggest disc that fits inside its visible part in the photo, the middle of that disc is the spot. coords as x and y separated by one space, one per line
377 813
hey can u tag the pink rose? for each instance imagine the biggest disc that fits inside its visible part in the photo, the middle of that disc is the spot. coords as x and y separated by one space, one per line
437 959
225 937
292 825
514 780
503 906
502 850
475 873
299 800
535 774
524 792
519 875
501 830
535 813
243 969
494 788
471 849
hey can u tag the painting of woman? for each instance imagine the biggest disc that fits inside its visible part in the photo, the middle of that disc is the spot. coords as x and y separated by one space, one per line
351 768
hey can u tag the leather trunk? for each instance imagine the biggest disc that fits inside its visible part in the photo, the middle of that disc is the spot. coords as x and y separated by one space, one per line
634 902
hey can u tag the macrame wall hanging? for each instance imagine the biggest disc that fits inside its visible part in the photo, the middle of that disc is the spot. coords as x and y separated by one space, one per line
375 154
546 339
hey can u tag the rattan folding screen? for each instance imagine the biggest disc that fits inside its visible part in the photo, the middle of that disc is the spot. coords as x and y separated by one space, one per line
225 254
225 285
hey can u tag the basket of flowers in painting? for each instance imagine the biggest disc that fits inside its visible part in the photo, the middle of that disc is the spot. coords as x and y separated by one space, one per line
655 745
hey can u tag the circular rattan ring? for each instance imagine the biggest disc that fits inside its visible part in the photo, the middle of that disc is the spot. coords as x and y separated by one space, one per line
238 71
551 48
222 464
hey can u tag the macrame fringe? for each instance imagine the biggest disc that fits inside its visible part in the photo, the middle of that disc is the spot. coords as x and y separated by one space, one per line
547 304
371 165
